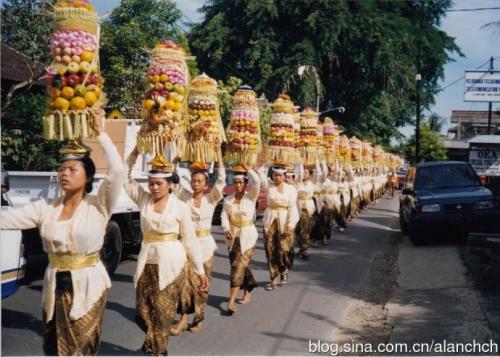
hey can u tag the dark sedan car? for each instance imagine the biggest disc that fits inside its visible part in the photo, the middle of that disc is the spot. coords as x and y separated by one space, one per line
445 197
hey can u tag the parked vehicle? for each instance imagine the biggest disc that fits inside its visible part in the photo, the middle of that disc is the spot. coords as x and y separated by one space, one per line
445 197
11 251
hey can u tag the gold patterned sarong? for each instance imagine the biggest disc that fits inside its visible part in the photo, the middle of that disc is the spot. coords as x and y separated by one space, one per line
241 275
156 309
193 300
279 252
304 229
328 217
354 207
64 337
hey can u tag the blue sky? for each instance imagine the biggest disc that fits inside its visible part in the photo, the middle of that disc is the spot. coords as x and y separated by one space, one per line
477 44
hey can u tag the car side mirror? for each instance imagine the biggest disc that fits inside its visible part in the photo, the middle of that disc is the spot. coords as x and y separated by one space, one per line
407 191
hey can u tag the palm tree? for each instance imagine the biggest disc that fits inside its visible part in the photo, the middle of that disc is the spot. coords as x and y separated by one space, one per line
435 122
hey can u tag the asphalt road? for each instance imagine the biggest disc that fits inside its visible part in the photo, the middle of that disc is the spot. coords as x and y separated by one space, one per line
311 307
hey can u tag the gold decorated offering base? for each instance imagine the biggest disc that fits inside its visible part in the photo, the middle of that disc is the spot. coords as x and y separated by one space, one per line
68 125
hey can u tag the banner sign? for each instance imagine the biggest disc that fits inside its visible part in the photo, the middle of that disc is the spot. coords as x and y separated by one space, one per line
482 86
485 162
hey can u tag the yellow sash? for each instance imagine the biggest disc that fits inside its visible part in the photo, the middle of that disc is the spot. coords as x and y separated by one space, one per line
153 237
203 233
66 262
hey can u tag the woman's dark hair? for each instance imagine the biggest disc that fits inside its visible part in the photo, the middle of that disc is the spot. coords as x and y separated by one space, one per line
310 171
89 167
205 175
172 179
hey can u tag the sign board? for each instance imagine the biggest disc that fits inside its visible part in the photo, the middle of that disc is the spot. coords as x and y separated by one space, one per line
482 86
485 162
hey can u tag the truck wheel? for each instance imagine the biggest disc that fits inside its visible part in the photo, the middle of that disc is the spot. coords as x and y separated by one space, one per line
111 250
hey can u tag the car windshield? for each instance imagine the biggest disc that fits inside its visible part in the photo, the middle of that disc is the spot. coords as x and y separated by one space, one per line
446 176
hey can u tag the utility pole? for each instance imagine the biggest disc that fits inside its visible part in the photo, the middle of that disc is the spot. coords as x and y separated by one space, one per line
418 79
489 104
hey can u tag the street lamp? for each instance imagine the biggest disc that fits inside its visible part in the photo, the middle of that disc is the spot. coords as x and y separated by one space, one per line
341 110
418 78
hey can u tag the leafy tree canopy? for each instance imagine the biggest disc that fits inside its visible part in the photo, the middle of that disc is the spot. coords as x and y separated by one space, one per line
431 148
365 52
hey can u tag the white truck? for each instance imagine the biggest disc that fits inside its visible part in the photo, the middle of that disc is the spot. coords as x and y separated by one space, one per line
124 225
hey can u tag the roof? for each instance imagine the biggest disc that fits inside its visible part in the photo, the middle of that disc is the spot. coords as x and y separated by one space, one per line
455 144
15 66
474 116
439 163
485 139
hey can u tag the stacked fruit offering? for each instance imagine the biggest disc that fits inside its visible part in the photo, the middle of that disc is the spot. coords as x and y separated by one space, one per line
329 132
309 136
356 154
366 153
345 151
377 155
281 142
244 131
205 131
296 130
74 79
165 98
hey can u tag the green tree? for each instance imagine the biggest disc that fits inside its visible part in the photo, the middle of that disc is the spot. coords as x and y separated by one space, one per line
435 122
27 26
365 51
226 92
127 37
22 145
431 148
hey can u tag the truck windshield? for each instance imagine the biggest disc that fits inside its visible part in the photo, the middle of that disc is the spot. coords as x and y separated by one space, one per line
446 176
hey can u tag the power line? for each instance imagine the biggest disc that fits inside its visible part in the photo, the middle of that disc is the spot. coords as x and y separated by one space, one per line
459 79
474 9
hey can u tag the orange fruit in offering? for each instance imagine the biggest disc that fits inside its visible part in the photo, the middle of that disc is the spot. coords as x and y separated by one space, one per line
68 92
87 56
148 104
61 103
78 103
90 98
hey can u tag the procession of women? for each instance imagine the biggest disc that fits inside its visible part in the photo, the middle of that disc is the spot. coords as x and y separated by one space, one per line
316 180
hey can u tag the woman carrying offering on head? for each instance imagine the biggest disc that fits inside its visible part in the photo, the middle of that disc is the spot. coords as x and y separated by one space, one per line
168 239
237 221
202 206
72 228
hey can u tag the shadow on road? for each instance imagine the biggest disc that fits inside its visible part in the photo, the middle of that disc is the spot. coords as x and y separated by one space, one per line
125 311
21 320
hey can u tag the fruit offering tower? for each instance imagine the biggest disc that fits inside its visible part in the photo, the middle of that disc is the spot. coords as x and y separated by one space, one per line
243 133
281 142
75 83
356 155
205 132
162 128
366 153
309 137
345 151
296 130
329 145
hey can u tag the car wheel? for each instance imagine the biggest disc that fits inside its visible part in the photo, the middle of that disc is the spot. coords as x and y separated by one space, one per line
111 250
402 223
416 236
